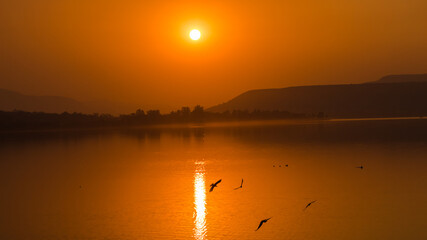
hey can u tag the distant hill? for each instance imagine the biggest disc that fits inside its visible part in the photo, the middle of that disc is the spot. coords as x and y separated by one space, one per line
378 99
10 101
403 78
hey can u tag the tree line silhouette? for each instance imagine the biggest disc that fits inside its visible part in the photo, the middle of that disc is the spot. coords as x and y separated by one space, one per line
20 120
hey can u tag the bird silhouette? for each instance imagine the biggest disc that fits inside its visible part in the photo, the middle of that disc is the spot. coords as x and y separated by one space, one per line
361 167
286 165
308 205
241 185
262 222
213 185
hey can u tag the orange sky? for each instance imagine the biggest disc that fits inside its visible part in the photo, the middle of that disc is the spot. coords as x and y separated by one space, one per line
139 53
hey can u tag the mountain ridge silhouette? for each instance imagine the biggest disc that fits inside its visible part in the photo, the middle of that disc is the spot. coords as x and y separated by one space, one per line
387 97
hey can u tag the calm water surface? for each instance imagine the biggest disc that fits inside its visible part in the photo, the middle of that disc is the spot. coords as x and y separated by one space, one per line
154 184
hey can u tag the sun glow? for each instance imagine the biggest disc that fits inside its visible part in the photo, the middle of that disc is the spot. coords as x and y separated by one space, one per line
195 34
199 202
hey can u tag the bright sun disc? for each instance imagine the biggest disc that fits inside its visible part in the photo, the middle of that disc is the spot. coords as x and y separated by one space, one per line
195 34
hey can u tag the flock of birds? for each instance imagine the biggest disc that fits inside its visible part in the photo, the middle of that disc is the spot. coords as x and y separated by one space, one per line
214 185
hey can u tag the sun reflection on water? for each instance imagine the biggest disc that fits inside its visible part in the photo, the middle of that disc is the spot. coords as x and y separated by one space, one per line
199 202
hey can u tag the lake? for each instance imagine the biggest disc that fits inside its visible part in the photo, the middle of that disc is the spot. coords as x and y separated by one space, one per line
154 183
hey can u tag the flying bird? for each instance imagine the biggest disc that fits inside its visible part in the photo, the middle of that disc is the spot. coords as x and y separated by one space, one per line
361 167
308 205
213 185
262 222
241 185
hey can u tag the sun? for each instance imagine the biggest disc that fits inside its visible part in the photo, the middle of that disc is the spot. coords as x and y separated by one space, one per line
195 34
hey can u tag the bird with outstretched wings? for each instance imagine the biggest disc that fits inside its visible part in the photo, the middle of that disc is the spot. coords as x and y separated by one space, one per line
241 185
262 222
309 204
214 185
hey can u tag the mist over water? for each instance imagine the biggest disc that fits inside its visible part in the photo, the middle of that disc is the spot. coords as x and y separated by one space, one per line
154 183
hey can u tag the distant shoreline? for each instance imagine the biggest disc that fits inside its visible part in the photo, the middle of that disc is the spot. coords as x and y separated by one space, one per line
29 121
221 124
374 119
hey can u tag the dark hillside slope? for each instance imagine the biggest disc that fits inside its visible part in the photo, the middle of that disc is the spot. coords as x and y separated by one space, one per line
340 101
10 101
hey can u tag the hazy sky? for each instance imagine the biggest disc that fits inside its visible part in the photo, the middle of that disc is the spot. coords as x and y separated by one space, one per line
139 52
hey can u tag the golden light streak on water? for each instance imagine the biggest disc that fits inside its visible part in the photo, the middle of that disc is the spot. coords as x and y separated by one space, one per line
200 229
